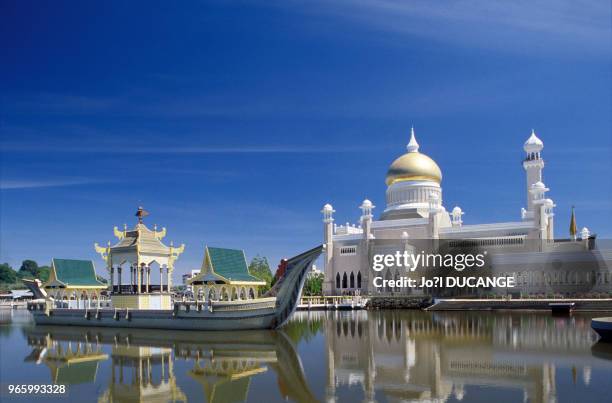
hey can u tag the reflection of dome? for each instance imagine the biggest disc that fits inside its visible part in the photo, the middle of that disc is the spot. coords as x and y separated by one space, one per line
413 166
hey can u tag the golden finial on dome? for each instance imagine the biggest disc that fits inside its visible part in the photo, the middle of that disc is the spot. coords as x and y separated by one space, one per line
413 165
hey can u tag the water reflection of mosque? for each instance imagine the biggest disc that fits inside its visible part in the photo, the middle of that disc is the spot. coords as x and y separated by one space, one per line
142 363
419 356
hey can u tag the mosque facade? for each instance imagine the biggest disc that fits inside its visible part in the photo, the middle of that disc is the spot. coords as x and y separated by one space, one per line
525 249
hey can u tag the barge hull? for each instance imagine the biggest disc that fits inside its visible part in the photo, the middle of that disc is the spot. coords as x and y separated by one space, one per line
156 320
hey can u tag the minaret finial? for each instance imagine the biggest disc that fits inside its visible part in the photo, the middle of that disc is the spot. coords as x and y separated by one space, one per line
412 146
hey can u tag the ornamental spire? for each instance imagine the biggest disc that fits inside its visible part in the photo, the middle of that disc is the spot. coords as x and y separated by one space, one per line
141 213
413 146
572 228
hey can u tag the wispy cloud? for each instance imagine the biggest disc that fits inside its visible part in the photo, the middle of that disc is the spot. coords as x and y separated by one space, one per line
83 139
49 183
520 25
134 149
387 100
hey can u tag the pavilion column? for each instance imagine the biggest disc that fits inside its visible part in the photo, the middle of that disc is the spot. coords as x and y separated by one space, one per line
163 367
161 279
119 270
139 278
112 278
148 278
132 283
168 272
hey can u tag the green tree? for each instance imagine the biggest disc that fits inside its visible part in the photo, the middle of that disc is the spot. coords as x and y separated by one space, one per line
313 286
7 274
260 268
43 273
28 269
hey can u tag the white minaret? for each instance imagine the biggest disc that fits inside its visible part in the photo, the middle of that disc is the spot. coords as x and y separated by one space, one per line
366 218
533 165
542 212
328 232
456 216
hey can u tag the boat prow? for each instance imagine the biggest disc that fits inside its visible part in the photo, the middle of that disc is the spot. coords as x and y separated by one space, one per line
603 327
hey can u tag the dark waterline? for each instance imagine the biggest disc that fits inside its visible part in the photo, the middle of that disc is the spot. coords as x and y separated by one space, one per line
383 356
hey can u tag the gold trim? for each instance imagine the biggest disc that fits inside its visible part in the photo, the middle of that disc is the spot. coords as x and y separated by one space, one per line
412 178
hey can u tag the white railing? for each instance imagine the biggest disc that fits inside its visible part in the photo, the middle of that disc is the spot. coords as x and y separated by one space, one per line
82 304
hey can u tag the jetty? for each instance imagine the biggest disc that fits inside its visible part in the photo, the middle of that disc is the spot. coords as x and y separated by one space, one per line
337 302
582 305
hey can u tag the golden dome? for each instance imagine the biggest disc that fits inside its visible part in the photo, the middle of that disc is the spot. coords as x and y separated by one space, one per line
413 166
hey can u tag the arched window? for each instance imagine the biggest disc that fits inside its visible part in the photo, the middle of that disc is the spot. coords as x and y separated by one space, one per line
337 280
352 280
359 280
344 282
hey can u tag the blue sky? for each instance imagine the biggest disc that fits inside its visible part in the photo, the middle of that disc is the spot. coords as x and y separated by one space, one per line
233 123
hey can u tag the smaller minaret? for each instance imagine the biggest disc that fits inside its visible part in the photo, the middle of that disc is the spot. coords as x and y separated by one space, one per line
328 231
542 211
533 165
366 218
585 233
456 215
572 226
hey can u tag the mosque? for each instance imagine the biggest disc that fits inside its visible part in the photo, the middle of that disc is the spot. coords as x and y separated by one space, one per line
524 249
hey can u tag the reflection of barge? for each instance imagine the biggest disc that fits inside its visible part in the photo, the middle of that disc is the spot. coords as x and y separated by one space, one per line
603 327
142 362
268 312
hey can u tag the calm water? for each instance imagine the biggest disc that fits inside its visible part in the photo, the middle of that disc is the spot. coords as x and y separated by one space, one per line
384 356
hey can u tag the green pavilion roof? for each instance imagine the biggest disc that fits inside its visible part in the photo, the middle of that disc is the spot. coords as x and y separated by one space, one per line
72 272
81 372
230 263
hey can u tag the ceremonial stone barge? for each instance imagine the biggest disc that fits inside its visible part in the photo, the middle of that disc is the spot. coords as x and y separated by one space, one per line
226 295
